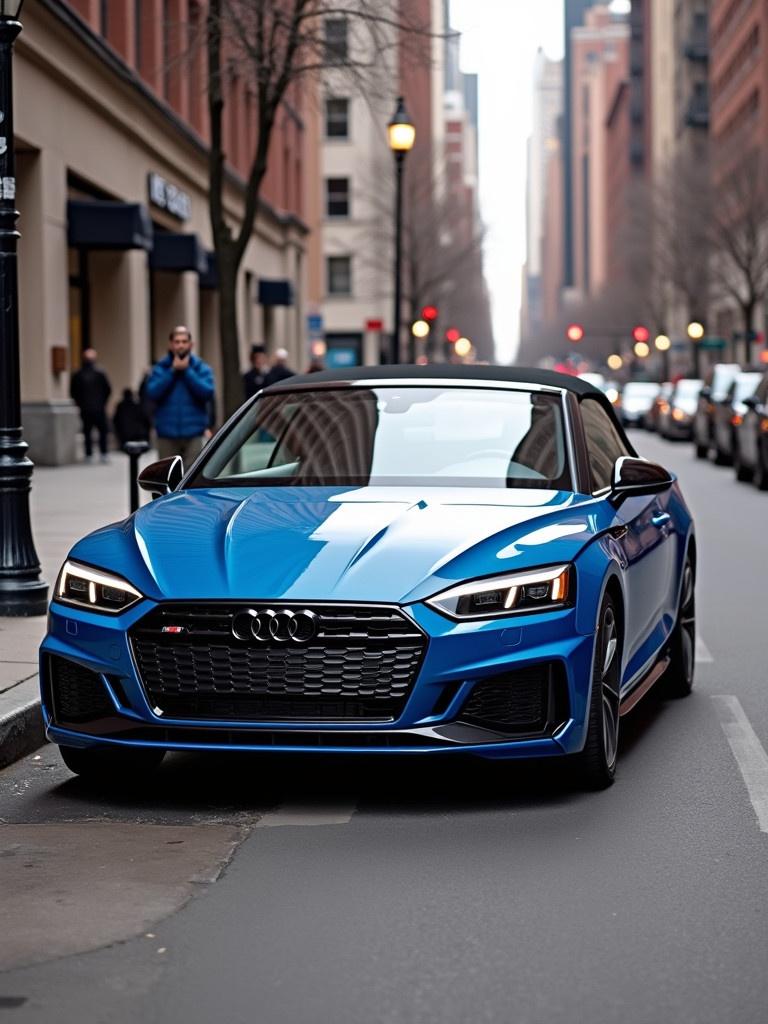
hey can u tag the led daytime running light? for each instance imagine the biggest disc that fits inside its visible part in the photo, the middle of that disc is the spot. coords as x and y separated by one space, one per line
521 593
99 590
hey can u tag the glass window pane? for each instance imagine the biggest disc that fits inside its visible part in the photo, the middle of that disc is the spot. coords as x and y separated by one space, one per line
604 445
337 118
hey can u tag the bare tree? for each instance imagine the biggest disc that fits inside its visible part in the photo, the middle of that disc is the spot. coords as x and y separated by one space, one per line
739 231
274 45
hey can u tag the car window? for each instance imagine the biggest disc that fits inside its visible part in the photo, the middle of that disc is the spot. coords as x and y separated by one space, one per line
762 390
604 444
390 435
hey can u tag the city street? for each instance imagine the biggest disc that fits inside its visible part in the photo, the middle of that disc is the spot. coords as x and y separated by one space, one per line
287 890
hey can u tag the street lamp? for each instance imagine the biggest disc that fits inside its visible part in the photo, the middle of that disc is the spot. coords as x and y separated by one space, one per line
22 592
663 345
695 332
401 134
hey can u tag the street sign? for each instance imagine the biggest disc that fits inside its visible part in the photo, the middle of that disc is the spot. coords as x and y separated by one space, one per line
315 323
712 343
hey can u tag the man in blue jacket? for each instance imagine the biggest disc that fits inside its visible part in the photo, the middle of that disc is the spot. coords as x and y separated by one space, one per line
181 387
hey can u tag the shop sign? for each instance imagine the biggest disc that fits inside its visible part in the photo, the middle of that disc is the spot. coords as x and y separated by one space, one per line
169 197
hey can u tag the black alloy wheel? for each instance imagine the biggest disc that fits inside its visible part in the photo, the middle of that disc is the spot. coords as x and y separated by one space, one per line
597 761
112 764
678 679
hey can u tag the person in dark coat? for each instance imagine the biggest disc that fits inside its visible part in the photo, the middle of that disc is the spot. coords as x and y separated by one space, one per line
130 421
253 380
280 370
181 386
90 389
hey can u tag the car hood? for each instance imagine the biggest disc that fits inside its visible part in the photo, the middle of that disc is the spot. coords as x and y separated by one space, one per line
394 544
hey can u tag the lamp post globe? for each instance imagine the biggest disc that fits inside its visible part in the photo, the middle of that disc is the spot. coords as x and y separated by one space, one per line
22 592
401 135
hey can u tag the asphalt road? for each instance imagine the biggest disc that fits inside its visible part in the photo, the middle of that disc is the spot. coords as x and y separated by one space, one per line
285 891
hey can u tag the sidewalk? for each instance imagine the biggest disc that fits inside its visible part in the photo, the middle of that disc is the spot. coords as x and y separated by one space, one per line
66 503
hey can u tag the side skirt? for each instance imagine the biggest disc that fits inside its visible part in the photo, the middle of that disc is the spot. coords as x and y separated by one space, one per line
637 694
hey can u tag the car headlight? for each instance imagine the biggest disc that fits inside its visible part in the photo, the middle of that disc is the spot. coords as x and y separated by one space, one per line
519 593
93 589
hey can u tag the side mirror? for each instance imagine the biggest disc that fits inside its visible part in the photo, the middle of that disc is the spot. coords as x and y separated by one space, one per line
751 402
638 476
706 392
162 477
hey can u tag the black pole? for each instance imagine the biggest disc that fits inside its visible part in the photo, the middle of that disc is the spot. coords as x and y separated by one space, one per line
394 355
134 450
22 591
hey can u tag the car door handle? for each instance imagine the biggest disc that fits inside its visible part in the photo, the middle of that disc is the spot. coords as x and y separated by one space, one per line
660 519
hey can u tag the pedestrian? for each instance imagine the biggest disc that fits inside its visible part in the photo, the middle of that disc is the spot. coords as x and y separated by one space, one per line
279 369
90 389
130 421
181 386
253 379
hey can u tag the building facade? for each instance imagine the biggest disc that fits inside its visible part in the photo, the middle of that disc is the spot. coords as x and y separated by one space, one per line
112 165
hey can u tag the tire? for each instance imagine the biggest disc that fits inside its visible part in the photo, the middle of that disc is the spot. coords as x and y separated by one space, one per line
597 761
722 458
678 679
743 473
760 475
702 451
115 764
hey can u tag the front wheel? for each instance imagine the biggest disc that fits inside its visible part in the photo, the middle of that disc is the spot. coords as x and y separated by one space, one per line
760 475
678 680
702 451
112 764
743 473
597 761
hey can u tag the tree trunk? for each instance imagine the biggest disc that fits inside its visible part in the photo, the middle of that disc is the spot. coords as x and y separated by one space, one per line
748 312
232 382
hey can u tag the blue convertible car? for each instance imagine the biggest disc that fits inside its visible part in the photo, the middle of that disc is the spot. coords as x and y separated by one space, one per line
386 560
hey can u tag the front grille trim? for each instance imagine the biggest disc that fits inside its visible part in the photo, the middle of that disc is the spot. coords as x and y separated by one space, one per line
356 645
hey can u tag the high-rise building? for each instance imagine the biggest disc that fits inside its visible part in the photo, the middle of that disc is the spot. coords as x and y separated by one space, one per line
547 118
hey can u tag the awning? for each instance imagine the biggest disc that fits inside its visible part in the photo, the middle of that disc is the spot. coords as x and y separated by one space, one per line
104 224
275 293
210 279
177 253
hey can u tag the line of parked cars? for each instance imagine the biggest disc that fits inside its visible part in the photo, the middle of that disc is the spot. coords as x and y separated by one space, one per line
725 415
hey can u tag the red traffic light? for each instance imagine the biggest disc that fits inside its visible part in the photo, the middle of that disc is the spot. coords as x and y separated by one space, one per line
452 335
429 313
640 333
574 332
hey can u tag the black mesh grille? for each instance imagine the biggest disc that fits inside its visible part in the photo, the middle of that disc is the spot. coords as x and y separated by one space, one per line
78 694
528 701
361 665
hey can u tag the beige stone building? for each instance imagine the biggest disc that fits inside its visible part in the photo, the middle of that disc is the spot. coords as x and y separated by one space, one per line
112 193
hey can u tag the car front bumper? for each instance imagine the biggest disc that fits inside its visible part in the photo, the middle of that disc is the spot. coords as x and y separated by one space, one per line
458 659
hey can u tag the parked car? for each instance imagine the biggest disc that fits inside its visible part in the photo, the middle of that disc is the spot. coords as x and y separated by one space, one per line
637 399
385 560
728 414
716 383
660 405
676 421
750 455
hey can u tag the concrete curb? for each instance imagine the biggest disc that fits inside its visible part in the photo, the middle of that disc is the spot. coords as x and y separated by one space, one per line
21 732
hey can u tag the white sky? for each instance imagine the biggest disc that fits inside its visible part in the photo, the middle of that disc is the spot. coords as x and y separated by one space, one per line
499 40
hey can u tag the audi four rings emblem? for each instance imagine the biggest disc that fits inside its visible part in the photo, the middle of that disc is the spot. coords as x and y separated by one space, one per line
283 626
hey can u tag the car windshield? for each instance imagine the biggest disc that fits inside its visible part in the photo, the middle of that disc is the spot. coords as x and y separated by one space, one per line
640 389
354 436
746 385
687 388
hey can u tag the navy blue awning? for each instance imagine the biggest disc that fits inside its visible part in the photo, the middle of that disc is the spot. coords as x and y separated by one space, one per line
177 253
210 279
275 293
104 224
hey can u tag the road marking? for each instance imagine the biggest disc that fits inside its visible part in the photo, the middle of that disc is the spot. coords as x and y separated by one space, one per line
748 751
703 654
339 813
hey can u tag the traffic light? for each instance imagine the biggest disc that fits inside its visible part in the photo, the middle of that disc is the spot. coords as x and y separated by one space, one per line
640 333
452 335
574 332
429 313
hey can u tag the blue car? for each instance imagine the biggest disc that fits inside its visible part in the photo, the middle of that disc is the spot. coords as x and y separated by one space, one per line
392 560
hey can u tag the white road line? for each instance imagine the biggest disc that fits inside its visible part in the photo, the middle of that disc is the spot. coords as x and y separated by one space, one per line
703 654
339 813
748 751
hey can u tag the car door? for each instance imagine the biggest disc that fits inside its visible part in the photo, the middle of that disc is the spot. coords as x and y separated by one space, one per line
648 545
749 430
